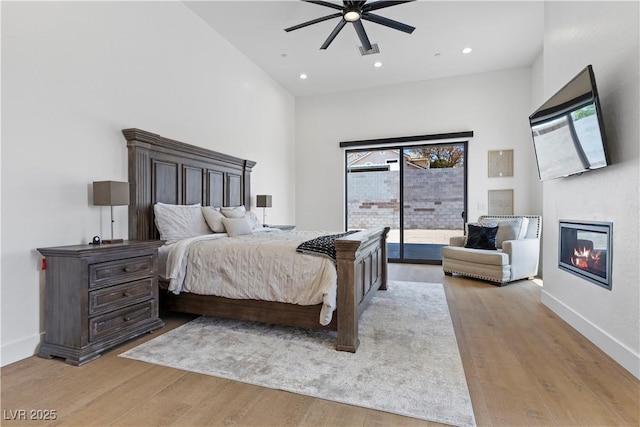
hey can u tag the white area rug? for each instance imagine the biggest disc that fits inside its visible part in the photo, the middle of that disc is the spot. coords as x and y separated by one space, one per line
407 363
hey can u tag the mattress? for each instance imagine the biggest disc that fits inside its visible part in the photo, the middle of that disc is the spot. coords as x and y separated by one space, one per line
263 265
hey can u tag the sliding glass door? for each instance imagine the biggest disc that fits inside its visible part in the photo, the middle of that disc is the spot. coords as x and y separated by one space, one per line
433 195
418 191
373 192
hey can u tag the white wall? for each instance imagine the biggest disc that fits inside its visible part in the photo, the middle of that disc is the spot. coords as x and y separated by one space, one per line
495 106
74 74
537 99
604 34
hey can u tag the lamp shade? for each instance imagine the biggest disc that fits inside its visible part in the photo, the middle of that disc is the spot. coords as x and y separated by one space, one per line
110 193
263 201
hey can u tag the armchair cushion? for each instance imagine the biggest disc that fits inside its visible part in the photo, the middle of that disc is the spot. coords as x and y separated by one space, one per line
478 256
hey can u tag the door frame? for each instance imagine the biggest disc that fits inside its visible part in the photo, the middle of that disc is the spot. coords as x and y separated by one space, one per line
401 143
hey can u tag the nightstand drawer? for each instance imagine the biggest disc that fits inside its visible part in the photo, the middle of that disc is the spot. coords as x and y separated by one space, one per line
120 271
119 321
115 297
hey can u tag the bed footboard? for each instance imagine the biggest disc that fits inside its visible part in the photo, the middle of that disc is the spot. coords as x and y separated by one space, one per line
362 270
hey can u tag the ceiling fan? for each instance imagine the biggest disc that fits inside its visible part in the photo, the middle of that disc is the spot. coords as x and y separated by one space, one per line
354 12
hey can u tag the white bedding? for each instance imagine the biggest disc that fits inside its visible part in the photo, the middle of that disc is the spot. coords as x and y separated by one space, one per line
262 266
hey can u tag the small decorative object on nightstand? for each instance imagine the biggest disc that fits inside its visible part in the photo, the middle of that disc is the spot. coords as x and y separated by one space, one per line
282 227
98 296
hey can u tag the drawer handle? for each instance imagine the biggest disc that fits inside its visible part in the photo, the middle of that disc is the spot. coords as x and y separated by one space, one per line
126 294
128 269
127 318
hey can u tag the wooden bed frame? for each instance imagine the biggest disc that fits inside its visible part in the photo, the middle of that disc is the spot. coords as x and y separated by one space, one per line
169 171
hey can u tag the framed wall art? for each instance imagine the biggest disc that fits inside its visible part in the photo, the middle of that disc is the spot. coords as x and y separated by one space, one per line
500 163
500 202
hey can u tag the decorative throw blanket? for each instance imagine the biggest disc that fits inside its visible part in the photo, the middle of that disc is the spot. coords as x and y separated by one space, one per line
323 245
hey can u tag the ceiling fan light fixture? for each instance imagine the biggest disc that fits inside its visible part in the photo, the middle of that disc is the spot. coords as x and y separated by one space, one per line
352 15
355 12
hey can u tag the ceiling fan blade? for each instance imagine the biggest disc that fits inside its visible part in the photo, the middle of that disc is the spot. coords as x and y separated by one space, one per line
388 22
313 21
382 4
362 35
325 3
333 34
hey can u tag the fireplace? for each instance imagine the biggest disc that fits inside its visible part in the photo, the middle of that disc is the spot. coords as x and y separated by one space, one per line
585 250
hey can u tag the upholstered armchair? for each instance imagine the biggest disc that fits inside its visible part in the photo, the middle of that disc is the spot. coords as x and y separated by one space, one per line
499 248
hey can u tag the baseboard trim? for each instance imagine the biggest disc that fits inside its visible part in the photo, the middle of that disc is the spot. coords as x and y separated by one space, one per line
605 342
20 349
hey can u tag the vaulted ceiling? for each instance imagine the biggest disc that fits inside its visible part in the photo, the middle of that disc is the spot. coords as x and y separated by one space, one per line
502 34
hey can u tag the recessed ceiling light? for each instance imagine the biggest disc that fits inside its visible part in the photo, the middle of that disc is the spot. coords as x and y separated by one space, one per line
377 64
303 76
467 50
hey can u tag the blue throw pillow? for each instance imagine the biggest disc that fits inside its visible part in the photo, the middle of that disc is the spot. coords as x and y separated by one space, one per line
481 237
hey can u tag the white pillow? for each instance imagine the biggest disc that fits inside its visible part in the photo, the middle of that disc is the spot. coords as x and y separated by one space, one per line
509 228
233 212
237 226
176 222
524 228
253 220
214 219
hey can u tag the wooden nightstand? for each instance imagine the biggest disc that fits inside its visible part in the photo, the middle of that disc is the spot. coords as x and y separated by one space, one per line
98 296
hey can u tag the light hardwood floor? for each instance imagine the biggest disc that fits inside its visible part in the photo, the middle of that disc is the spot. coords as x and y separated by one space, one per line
524 366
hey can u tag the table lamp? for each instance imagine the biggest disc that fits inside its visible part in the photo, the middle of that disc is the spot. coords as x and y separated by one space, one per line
111 193
263 201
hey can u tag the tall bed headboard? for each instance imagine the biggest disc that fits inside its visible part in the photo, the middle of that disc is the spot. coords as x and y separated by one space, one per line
168 171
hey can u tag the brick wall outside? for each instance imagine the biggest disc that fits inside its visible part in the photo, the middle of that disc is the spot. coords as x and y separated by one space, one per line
434 199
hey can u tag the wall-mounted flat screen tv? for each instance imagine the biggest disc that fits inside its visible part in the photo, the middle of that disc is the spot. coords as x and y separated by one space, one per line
568 132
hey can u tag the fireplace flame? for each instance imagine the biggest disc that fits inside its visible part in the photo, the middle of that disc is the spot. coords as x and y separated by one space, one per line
583 257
